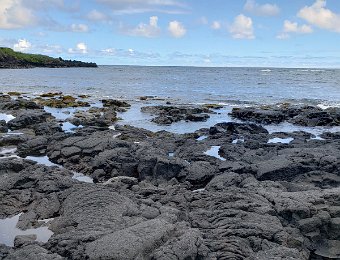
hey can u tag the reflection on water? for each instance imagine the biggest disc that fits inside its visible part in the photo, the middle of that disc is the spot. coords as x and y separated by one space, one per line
213 151
81 177
6 117
42 160
8 231
277 140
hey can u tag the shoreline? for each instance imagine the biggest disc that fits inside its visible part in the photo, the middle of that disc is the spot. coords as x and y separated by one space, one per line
235 177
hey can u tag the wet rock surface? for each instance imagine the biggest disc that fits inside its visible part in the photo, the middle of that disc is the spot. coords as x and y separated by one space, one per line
160 195
166 115
299 115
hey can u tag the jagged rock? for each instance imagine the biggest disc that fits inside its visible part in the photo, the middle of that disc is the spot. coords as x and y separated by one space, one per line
27 119
3 126
33 252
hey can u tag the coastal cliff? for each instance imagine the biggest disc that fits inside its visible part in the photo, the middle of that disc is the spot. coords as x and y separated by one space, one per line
10 59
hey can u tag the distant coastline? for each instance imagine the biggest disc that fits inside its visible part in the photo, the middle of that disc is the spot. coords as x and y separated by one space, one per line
10 59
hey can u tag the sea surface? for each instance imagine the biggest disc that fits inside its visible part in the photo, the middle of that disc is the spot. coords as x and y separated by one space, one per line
183 84
231 87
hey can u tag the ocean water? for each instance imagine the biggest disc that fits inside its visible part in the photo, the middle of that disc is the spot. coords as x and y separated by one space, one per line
183 84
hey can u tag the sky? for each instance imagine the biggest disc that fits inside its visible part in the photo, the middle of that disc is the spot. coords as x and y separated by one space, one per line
233 33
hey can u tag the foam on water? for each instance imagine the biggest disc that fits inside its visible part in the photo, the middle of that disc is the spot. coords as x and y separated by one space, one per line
213 151
8 231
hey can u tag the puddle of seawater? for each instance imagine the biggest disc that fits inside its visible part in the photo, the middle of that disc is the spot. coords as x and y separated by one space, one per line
42 160
46 161
81 177
8 231
199 190
201 138
117 135
5 151
213 151
64 113
135 117
290 128
10 132
317 137
6 117
238 140
68 127
277 140
8 152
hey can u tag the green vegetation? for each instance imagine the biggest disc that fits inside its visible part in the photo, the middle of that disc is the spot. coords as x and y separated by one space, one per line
12 59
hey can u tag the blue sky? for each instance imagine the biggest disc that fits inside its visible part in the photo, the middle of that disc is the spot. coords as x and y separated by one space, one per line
264 33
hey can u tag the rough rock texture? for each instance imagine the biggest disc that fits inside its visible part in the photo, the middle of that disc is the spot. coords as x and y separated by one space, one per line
167 115
299 115
162 196
27 119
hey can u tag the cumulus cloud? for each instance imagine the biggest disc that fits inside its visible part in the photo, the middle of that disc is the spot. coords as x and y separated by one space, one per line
96 16
262 10
145 30
216 25
318 15
293 27
177 29
81 48
22 45
14 14
142 6
79 28
242 28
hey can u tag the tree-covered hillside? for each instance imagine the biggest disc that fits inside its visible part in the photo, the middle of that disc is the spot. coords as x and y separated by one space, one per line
12 59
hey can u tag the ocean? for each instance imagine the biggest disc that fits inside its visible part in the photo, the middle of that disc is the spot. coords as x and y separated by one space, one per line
194 85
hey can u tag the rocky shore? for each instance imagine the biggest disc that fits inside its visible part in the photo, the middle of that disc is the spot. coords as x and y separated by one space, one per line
79 185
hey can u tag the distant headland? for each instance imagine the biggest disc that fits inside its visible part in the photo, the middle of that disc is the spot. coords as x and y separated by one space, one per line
10 59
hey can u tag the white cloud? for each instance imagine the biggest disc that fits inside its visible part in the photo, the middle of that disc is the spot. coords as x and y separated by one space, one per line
216 25
22 45
320 16
145 30
242 28
262 10
14 15
293 27
289 26
176 29
95 15
80 48
79 28
143 6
